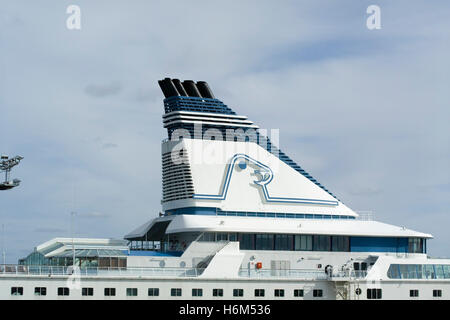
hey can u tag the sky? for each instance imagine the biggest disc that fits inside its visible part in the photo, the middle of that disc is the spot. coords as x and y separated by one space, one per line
365 112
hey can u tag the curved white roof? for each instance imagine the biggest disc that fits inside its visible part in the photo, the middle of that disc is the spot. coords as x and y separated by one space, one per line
202 223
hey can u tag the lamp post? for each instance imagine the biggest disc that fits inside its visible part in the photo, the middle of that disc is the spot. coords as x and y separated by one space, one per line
72 215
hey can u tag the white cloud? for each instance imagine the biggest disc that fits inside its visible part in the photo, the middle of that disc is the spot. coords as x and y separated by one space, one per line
375 102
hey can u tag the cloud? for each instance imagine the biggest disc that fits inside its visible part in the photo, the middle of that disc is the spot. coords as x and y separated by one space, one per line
49 230
365 191
355 107
100 91
94 215
109 145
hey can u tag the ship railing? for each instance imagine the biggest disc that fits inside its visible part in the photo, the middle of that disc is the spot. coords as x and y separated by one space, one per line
100 271
365 215
351 274
309 274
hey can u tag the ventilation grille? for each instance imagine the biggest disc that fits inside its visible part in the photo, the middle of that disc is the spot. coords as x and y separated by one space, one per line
177 177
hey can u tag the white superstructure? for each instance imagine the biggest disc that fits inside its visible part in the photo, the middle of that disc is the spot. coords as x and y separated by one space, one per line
241 220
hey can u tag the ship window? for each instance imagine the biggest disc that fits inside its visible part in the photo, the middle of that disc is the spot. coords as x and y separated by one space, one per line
197 292
439 271
63 291
363 266
87 291
238 292
321 243
259 292
429 271
373 293
175 292
132 292
317 293
264 241
340 243
303 243
217 292
232 237
415 245
279 292
40 291
208 237
356 266
446 271
283 242
153 292
437 293
414 293
247 241
298 292
110 292
17 291
221 236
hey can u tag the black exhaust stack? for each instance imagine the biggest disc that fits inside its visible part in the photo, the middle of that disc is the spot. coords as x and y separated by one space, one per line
179 87
191 88
205 90
168 88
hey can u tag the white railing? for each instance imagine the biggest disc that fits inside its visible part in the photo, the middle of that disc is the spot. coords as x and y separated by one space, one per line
352 274
94 271
288 273
365 215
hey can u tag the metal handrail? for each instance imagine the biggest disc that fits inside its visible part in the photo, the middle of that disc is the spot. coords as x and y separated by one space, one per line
283 273
99 271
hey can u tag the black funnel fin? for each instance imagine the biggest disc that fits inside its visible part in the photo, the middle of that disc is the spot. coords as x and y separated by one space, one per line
191 88
168 88
179 87
205 90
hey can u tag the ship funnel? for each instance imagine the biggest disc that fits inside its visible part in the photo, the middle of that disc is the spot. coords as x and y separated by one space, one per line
205 90
191 88
179 87
168 88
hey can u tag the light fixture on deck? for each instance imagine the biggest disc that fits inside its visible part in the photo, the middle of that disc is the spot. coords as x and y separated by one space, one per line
6 164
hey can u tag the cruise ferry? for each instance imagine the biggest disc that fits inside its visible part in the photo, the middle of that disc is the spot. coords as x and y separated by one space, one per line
240 220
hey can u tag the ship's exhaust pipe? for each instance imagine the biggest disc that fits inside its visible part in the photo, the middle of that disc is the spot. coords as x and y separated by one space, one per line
168 88
191 88
205 90
187 88
179 87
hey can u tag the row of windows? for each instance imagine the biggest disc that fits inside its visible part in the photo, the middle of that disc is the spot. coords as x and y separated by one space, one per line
154 292
419 271
415 293
198 292
292 242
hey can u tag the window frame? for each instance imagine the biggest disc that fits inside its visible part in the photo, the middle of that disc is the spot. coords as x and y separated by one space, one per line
197 292
154 292
132 292
217 292
279 293
299 293
318 293
87 292
176 292
110 292
238 292
17 291
40 291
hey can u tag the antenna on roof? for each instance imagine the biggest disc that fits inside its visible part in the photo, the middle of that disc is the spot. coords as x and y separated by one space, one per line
3 245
